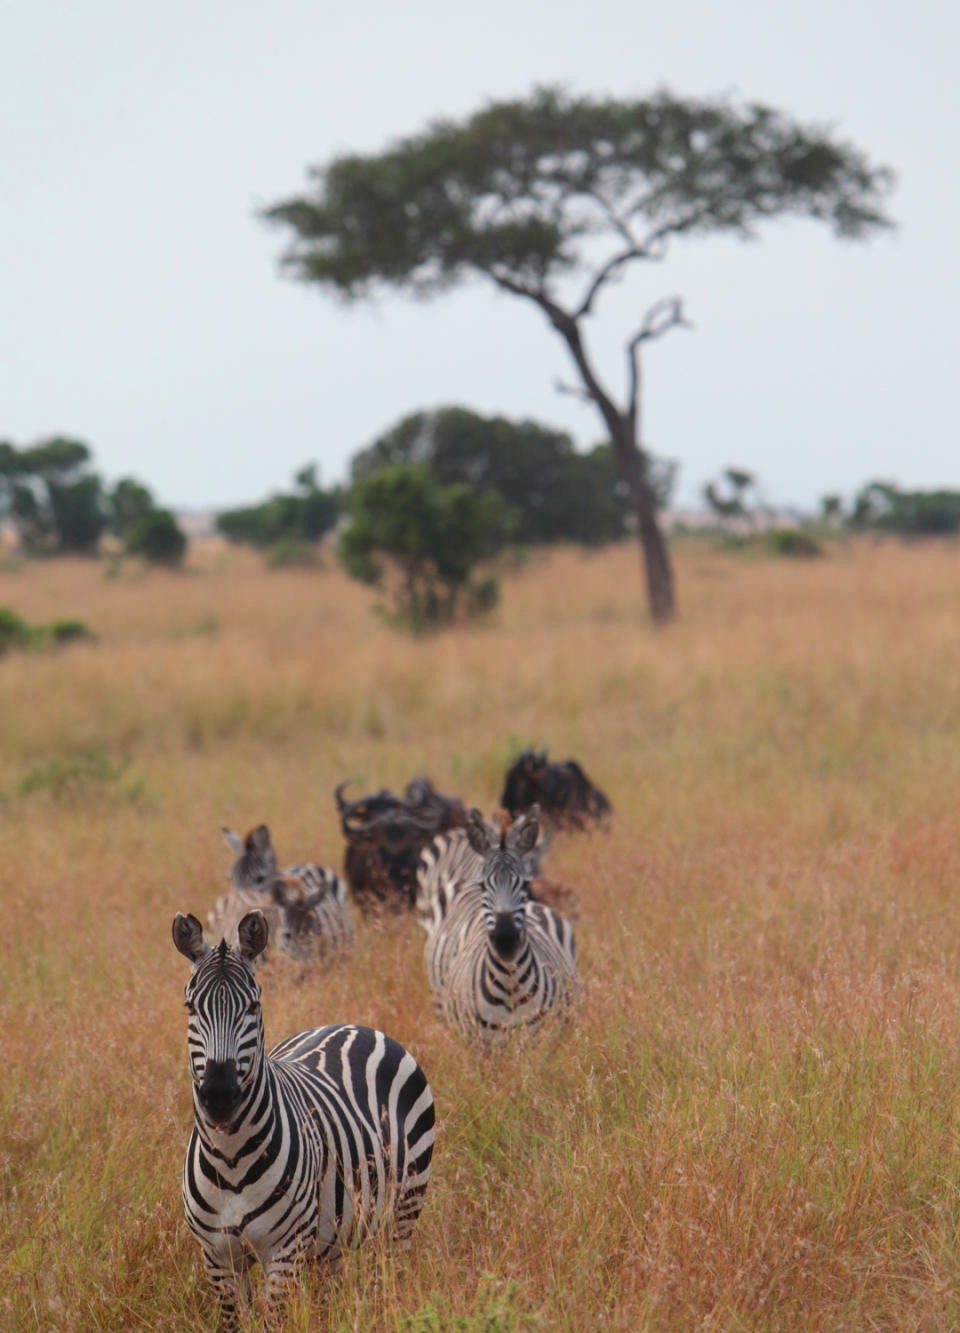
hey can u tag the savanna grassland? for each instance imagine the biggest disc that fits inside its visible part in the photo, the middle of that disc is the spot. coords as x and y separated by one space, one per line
753 1123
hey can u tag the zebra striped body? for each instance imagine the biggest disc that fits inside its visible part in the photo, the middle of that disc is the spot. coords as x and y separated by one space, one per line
298 1153
497 961
306 905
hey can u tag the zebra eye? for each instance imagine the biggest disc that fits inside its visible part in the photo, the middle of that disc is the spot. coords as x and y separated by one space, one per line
253 1007
189 1006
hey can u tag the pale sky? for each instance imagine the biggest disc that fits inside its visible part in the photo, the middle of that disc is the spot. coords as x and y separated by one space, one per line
143 311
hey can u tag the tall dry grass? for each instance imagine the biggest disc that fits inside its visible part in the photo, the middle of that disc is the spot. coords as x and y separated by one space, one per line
752 1123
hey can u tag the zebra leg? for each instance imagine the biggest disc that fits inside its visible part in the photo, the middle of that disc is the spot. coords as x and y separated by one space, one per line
281 1273
232 1287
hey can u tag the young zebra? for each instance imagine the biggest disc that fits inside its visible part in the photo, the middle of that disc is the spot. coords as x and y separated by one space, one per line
498 961
305 905
300 1152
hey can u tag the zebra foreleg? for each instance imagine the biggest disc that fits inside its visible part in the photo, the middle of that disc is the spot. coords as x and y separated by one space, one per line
281 1274
232 1287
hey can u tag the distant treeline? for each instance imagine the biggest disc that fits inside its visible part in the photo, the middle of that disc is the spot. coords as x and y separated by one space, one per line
882 506
555 494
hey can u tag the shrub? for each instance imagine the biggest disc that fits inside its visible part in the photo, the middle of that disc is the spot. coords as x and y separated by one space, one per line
15 632
65 777
293 553
420 543
70 631
794 543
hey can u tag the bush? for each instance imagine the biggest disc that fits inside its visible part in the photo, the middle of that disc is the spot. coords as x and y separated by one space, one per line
65 777
70 631
793 543
420 543
15 632
156 537
293 553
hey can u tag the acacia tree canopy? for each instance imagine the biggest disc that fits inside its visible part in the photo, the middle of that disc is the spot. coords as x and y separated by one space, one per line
556 194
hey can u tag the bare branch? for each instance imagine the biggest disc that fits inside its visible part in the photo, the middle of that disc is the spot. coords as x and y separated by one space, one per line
606 273
659 319
574 390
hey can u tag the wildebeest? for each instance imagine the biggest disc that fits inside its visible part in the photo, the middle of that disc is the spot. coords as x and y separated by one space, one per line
385 834
566 796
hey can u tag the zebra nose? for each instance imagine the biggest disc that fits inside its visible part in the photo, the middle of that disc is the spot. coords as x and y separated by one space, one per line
505 935
219 1092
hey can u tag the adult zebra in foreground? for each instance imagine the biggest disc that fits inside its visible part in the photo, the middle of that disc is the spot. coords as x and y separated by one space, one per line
300 1152
497 960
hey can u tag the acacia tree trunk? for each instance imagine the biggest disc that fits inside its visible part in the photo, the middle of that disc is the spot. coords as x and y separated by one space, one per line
656 556
632 462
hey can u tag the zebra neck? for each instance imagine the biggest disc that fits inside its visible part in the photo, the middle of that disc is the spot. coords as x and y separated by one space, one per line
514 972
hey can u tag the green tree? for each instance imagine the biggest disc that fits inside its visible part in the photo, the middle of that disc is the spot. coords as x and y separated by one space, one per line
156 537
736 503
128 503
420 543
883 507
558 493
554 194
53 499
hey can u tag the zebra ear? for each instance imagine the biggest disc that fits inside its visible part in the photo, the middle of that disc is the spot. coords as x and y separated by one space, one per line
252 934
279 893
524 834
234 841
478 834
188 937
258 839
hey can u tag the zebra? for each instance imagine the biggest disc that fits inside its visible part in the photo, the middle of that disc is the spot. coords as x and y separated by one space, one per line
498 961
296 1154
305 905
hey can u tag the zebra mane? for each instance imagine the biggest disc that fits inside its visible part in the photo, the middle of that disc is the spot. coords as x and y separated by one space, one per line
505 822
222 956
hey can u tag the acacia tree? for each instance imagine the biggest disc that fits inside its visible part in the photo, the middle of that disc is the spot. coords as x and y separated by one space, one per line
552 198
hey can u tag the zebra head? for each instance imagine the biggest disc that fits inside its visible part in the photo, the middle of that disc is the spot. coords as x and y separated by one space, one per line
225 1025
300 923
256 862
505 877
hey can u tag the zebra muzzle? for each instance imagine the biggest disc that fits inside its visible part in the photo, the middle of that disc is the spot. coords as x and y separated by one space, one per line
505 935
219 1093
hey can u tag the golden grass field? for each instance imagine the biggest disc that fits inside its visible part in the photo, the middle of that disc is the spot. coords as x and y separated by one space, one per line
752 1124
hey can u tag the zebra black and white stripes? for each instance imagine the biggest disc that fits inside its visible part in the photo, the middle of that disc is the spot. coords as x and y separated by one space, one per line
450 862
497 961
300 1152
306 905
